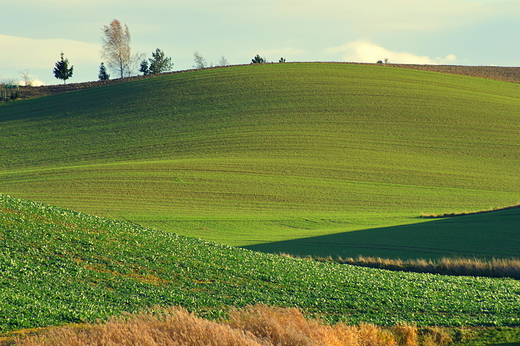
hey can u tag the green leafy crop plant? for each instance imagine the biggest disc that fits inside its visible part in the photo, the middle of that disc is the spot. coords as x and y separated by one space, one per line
59 266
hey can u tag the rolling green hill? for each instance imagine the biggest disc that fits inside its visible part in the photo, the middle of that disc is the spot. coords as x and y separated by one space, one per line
58 266
273 153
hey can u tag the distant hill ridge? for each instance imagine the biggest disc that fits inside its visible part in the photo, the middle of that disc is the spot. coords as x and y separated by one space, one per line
501 73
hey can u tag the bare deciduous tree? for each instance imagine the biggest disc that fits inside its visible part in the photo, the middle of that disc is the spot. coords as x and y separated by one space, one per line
200 62
27 78
116 49
223 61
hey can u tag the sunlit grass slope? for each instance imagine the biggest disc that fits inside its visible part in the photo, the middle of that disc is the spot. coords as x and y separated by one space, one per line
255 154
58 266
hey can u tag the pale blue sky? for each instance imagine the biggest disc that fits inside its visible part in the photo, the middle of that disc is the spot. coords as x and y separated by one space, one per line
33 33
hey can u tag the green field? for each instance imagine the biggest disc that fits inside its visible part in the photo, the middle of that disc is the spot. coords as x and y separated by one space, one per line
58 266
304 158
280 157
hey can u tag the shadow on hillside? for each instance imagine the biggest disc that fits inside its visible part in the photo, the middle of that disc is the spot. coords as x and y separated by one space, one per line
486 235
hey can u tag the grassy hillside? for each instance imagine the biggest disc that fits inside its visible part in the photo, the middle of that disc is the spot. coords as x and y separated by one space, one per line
258 154
59 266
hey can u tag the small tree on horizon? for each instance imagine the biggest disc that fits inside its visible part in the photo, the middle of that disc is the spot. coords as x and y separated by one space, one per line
103 74
116 49
27 78
258 60
223 61
200 62
144 68
62 70
160 62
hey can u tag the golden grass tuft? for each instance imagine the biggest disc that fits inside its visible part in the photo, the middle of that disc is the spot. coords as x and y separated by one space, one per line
258 325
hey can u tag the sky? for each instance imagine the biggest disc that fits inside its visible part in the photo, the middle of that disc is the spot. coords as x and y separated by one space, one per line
33 33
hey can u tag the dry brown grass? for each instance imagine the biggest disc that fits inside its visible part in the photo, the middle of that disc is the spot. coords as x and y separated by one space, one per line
173 326
495 268
258 325
459 266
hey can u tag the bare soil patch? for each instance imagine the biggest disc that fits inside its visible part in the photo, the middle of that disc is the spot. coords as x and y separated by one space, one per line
506 74
45 90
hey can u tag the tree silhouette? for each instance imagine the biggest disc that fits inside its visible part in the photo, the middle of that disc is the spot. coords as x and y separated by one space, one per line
160 62
62 70
103 74
258 60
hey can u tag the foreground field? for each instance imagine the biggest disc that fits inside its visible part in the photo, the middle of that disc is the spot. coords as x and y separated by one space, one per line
265 154
65 267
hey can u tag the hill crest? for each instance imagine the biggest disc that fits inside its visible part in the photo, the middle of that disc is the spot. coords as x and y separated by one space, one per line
501 73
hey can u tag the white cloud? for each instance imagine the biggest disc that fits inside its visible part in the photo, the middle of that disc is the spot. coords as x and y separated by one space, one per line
26 79
366 51
38 56
21 52
34 82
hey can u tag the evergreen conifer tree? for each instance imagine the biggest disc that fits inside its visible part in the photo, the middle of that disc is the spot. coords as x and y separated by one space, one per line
160 62
62 70
144 68
258 60
103 74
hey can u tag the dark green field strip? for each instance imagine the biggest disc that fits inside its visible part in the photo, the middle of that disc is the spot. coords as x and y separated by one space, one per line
487 235
64 267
